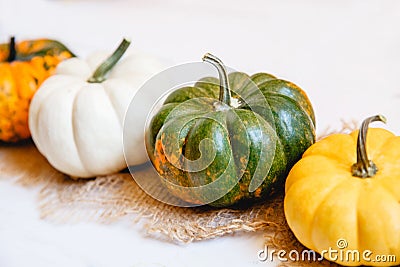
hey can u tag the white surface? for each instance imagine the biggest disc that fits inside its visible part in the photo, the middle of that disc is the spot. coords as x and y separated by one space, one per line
345 54
27 241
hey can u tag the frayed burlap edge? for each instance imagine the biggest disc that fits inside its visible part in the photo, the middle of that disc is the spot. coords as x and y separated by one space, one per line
107 199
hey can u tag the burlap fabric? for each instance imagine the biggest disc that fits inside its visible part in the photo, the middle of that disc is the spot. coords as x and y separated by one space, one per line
110 198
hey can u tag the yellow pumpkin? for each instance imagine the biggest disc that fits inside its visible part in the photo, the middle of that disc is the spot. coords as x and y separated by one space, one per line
23 67
343 202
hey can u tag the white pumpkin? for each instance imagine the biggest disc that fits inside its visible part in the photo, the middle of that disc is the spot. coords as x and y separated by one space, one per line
78 125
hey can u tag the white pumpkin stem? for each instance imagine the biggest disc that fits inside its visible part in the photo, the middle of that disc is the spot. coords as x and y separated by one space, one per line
364 167
225 92
101 71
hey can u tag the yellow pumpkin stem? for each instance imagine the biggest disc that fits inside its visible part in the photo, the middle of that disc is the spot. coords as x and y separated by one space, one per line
100 73
364 167
12 51
225 92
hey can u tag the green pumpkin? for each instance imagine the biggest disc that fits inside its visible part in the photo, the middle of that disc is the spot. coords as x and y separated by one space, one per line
230 140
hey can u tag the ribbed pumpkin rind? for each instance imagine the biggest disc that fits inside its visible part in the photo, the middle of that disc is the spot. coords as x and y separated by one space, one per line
35 61
292 118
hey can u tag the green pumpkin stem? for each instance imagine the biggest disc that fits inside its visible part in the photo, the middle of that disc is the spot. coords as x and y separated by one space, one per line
12 50
225 92
100 73
364 167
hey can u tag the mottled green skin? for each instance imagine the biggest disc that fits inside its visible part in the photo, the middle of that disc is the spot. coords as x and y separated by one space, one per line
273 139
34 48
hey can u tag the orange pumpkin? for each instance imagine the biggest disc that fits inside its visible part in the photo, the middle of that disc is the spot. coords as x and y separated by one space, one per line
23 67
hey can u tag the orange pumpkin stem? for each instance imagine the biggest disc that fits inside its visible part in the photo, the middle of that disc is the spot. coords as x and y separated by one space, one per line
364 167
225 92
12 50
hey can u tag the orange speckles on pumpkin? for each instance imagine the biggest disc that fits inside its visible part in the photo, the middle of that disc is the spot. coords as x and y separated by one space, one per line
257 192
159 154
19 81
174 159
17 87
243 187
244 160
157 164
158 148
162 136
239 142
